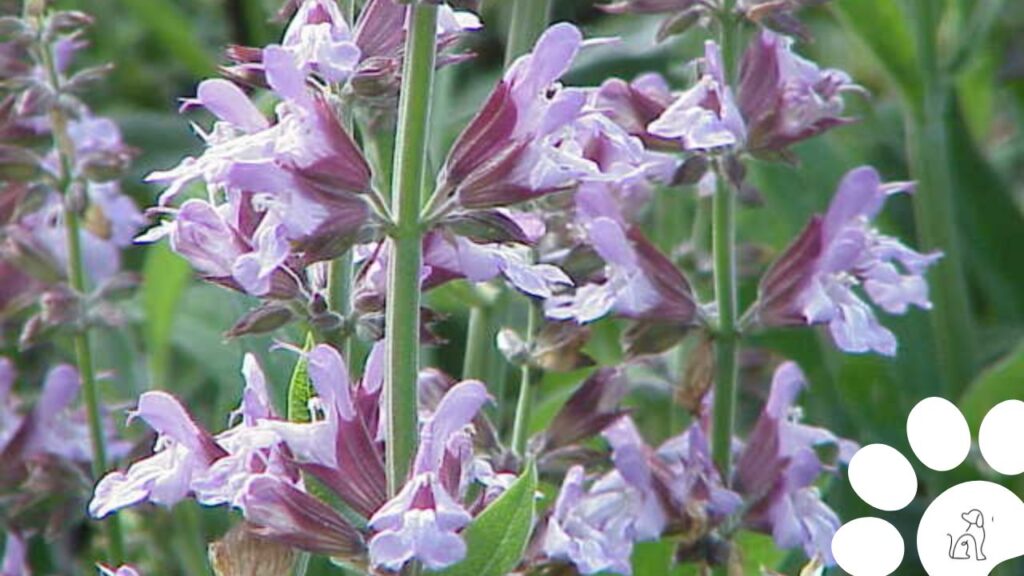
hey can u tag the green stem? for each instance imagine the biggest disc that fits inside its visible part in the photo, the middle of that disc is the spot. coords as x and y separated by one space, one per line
403 306
934 205
726 335
523 407
529 19
478 343
76 278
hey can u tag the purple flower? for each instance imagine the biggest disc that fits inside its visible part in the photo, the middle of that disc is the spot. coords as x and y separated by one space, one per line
280 511
449 256
300 180
595 529
778 467
620 160
813 281
636 104
212 238
182 451
510 151
421 522
342 446
785 98
100 151
188 460
692 480
110 224
380 35
588 529
704 117
639 282
321 42
52 427
15 560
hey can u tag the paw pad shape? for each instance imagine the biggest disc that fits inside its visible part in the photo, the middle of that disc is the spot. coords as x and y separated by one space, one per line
967 530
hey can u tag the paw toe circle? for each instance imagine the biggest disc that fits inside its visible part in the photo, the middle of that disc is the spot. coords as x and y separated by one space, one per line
1000 436
939 434
868 547
883 477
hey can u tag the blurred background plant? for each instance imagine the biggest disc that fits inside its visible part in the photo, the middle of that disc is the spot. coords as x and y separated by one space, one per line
946 108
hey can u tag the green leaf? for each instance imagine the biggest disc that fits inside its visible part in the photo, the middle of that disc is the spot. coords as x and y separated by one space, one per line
300 389
882 26
1001 382
165 277
498 537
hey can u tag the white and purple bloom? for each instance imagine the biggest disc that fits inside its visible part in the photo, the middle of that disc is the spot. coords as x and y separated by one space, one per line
448 256
321 41
634 105
189 461
342 447
380 35
706 116
423 520
778 467
15 560
785 98
510 151
639 282
52 428
368 58
814 281
596 528
293 188
109 223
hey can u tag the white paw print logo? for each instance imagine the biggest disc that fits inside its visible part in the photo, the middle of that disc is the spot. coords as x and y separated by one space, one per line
970 528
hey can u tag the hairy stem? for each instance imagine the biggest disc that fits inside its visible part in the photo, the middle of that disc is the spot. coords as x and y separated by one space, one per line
403 306
73 197
723 235
928 150
726 334
523 406
529 18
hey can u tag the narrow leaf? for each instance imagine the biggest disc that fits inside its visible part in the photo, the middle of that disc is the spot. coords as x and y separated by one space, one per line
300 389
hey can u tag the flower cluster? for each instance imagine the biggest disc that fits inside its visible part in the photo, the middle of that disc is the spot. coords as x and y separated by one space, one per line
45 449
43 153
257 466
675 489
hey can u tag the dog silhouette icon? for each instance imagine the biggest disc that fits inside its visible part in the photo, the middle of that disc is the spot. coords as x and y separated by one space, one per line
970 544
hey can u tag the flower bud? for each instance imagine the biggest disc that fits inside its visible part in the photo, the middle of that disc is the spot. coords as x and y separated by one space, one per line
19 164
513 347
242 553
266 318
